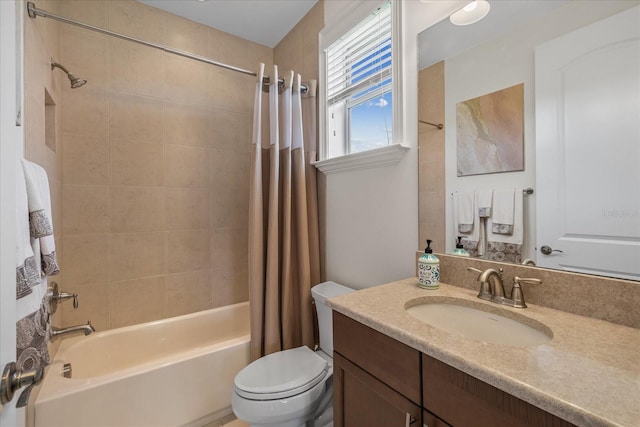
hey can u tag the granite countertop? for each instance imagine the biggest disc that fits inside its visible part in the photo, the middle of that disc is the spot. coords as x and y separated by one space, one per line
587 374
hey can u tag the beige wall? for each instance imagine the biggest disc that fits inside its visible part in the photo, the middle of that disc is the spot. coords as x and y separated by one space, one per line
41 42
155 166
298 50
431 164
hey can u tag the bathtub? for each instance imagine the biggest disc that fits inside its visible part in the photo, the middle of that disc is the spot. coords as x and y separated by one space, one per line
171 372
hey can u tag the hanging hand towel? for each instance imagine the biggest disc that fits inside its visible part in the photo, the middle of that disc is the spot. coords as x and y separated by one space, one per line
484 203
40 224
504 247
502 219
473 240
27 274
465 211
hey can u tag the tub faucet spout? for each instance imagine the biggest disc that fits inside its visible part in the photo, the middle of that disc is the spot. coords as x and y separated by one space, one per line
86 329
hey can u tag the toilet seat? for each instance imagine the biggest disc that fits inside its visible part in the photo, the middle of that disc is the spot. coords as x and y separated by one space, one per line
281 375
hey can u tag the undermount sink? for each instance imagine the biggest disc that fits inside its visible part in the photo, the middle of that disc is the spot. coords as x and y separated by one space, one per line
479 322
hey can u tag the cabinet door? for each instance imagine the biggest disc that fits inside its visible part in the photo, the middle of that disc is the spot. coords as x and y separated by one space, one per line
430 420
463 400
360 400
392 362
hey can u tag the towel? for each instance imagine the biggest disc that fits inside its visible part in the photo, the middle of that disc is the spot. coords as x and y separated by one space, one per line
474 239
502 219
505 247
27 274
465 211
35 245
485 198
40 224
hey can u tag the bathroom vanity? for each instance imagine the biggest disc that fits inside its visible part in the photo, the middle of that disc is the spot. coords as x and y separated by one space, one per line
392 369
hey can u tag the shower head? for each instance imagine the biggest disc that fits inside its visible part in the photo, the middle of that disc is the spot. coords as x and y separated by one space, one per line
75 81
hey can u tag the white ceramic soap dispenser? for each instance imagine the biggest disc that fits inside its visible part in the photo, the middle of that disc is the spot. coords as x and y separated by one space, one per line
428 269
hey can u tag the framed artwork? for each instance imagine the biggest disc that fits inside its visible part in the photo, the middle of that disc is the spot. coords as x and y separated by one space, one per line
490 132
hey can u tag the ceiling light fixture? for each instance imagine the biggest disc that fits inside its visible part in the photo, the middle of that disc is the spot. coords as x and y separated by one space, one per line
471 13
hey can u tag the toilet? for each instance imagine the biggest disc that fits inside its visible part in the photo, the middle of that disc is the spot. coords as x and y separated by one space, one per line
294 387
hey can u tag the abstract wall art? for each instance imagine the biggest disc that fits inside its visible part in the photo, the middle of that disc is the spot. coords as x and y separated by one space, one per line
490 132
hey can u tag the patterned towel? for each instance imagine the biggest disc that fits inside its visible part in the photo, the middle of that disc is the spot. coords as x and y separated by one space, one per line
27 273
40 224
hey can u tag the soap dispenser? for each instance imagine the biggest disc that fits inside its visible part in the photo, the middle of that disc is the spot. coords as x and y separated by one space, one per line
428 269
460 250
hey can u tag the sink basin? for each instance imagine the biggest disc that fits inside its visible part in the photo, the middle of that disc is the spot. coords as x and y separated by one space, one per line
479 322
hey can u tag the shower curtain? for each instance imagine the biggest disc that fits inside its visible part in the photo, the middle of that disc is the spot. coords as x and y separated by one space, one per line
283 218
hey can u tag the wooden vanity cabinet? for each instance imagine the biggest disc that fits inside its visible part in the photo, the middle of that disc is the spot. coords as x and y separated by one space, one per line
376 378
464 400
380 382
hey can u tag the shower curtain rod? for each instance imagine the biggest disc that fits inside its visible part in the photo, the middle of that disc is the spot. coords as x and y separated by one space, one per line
34 12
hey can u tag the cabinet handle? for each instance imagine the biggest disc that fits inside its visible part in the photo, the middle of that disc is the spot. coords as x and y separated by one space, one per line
409 420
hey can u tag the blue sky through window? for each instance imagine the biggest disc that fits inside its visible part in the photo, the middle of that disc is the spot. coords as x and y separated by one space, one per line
371 123
371 120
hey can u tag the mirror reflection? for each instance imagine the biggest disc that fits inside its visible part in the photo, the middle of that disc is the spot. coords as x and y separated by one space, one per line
575 204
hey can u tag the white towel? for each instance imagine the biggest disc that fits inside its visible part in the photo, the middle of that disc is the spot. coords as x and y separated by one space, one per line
465 212
40 223
503 217
516 218
484 203
474 240
27 273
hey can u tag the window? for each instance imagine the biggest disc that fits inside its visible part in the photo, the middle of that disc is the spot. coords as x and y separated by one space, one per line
359 96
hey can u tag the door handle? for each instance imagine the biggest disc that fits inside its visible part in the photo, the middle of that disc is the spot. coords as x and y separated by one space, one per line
13 379
546 250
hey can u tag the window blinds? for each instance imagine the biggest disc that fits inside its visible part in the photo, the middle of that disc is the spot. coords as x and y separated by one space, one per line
360 61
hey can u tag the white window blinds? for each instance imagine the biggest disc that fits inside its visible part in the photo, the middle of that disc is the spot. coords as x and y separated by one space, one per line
360 62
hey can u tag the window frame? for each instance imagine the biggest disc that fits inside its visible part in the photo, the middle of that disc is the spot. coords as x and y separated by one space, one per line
378 156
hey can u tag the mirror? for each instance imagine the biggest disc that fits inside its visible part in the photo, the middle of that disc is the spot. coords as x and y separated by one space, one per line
460 63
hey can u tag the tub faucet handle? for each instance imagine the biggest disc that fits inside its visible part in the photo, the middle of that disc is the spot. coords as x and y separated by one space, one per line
55 297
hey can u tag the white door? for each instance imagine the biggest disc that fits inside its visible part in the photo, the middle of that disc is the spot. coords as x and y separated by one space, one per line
588 148
10 137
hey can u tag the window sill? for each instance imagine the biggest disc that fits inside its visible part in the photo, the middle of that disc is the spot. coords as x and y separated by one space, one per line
378 157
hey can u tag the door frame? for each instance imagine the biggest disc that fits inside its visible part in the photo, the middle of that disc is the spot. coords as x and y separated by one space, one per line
10 146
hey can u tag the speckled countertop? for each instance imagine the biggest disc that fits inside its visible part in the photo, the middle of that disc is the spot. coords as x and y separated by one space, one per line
588 374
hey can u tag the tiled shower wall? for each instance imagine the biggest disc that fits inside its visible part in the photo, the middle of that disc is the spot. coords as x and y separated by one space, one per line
431 185
42 86
155 166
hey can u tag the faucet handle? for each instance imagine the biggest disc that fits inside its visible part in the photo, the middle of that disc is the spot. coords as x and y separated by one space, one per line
531 280
517 297
55 297
474 269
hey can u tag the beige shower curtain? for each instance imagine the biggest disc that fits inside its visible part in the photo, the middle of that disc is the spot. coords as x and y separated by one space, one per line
283 218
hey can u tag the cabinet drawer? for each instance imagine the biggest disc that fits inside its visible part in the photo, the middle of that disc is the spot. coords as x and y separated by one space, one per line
388 360
463 400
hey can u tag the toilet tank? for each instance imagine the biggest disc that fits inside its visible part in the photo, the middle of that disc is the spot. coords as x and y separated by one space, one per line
320 294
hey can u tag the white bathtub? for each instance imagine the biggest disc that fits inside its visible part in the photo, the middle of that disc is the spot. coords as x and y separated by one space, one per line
172 372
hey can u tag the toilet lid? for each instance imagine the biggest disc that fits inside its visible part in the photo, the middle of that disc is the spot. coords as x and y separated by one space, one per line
282 374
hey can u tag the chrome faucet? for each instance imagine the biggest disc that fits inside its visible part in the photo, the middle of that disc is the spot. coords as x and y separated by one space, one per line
87 329
492 287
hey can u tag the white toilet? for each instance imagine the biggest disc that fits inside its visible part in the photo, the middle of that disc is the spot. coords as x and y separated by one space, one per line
292 388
